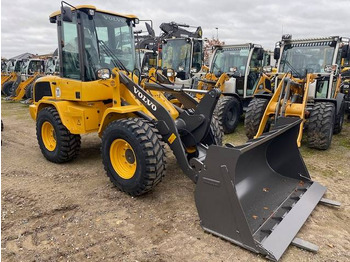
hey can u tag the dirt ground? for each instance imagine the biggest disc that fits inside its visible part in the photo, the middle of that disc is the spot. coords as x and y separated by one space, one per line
72 212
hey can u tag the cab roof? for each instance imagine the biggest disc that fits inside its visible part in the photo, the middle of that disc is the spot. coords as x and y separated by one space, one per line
130 16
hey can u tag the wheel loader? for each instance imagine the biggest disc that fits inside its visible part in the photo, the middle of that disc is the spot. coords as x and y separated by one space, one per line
31 70
308 88
52 66
13 76
259 207
237 71
146 49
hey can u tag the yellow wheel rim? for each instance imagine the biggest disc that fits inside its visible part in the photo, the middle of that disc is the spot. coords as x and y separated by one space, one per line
48 136
123 158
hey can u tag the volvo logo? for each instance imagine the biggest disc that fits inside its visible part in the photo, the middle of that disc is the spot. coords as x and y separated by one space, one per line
145 99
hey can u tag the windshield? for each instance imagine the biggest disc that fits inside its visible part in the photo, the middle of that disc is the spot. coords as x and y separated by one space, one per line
18 66
147 60
109 42
301 59
176 54
227 58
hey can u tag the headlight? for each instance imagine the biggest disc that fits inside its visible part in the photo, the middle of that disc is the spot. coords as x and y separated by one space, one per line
104 73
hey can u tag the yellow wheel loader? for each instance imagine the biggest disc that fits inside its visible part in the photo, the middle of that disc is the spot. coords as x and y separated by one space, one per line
31 70
237 71
13 77
307 88
260 207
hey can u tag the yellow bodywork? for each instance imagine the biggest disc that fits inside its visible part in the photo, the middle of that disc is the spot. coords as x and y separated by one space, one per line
21 89
94 8
8 77
86 107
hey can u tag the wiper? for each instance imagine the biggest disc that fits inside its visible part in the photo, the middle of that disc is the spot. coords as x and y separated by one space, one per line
116 61
292 68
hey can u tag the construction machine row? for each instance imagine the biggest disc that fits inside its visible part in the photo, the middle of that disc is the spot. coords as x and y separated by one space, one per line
139 92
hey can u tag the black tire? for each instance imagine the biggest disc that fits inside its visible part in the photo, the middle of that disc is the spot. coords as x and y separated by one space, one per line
253 116
7 88
147 154
228 110
320 126
339 119
29 91
67 144
13 89
215 134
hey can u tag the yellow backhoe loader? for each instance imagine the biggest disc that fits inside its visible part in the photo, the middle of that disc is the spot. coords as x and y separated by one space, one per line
97 90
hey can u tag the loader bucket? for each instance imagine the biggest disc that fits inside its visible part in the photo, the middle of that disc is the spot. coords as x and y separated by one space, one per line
257 195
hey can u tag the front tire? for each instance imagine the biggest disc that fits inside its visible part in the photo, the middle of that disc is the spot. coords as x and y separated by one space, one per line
133 155
57 144
228 110
320 127
29 91
7 88
253 116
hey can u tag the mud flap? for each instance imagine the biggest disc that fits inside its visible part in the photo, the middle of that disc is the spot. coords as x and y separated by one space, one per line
257 195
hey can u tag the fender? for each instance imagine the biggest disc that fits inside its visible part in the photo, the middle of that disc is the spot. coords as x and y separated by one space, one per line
78 118
336 101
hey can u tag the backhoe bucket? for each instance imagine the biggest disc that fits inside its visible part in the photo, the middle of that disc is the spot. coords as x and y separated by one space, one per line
257 195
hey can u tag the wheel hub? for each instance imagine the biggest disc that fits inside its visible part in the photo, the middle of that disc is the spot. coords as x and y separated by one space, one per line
123 158
48 135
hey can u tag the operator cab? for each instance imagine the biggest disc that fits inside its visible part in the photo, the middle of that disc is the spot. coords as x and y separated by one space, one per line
183 55
91 39
320 56
241 62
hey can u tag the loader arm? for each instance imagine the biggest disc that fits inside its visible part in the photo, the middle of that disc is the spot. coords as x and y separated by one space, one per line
197 123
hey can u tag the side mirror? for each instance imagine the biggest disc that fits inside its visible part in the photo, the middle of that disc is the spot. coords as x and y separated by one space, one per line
170 72
345 51
276 53
330 68
103 73
267 69
260 54
66 13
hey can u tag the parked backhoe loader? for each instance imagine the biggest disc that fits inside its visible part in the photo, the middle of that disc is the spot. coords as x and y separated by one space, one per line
260 207
307 88
31 70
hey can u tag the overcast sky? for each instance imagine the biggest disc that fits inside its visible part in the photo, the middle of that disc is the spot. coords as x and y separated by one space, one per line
25 26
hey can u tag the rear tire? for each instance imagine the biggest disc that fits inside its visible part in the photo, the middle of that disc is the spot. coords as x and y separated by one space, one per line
320 127
339 119
253 116
57 144
7 87
133 155
228 111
